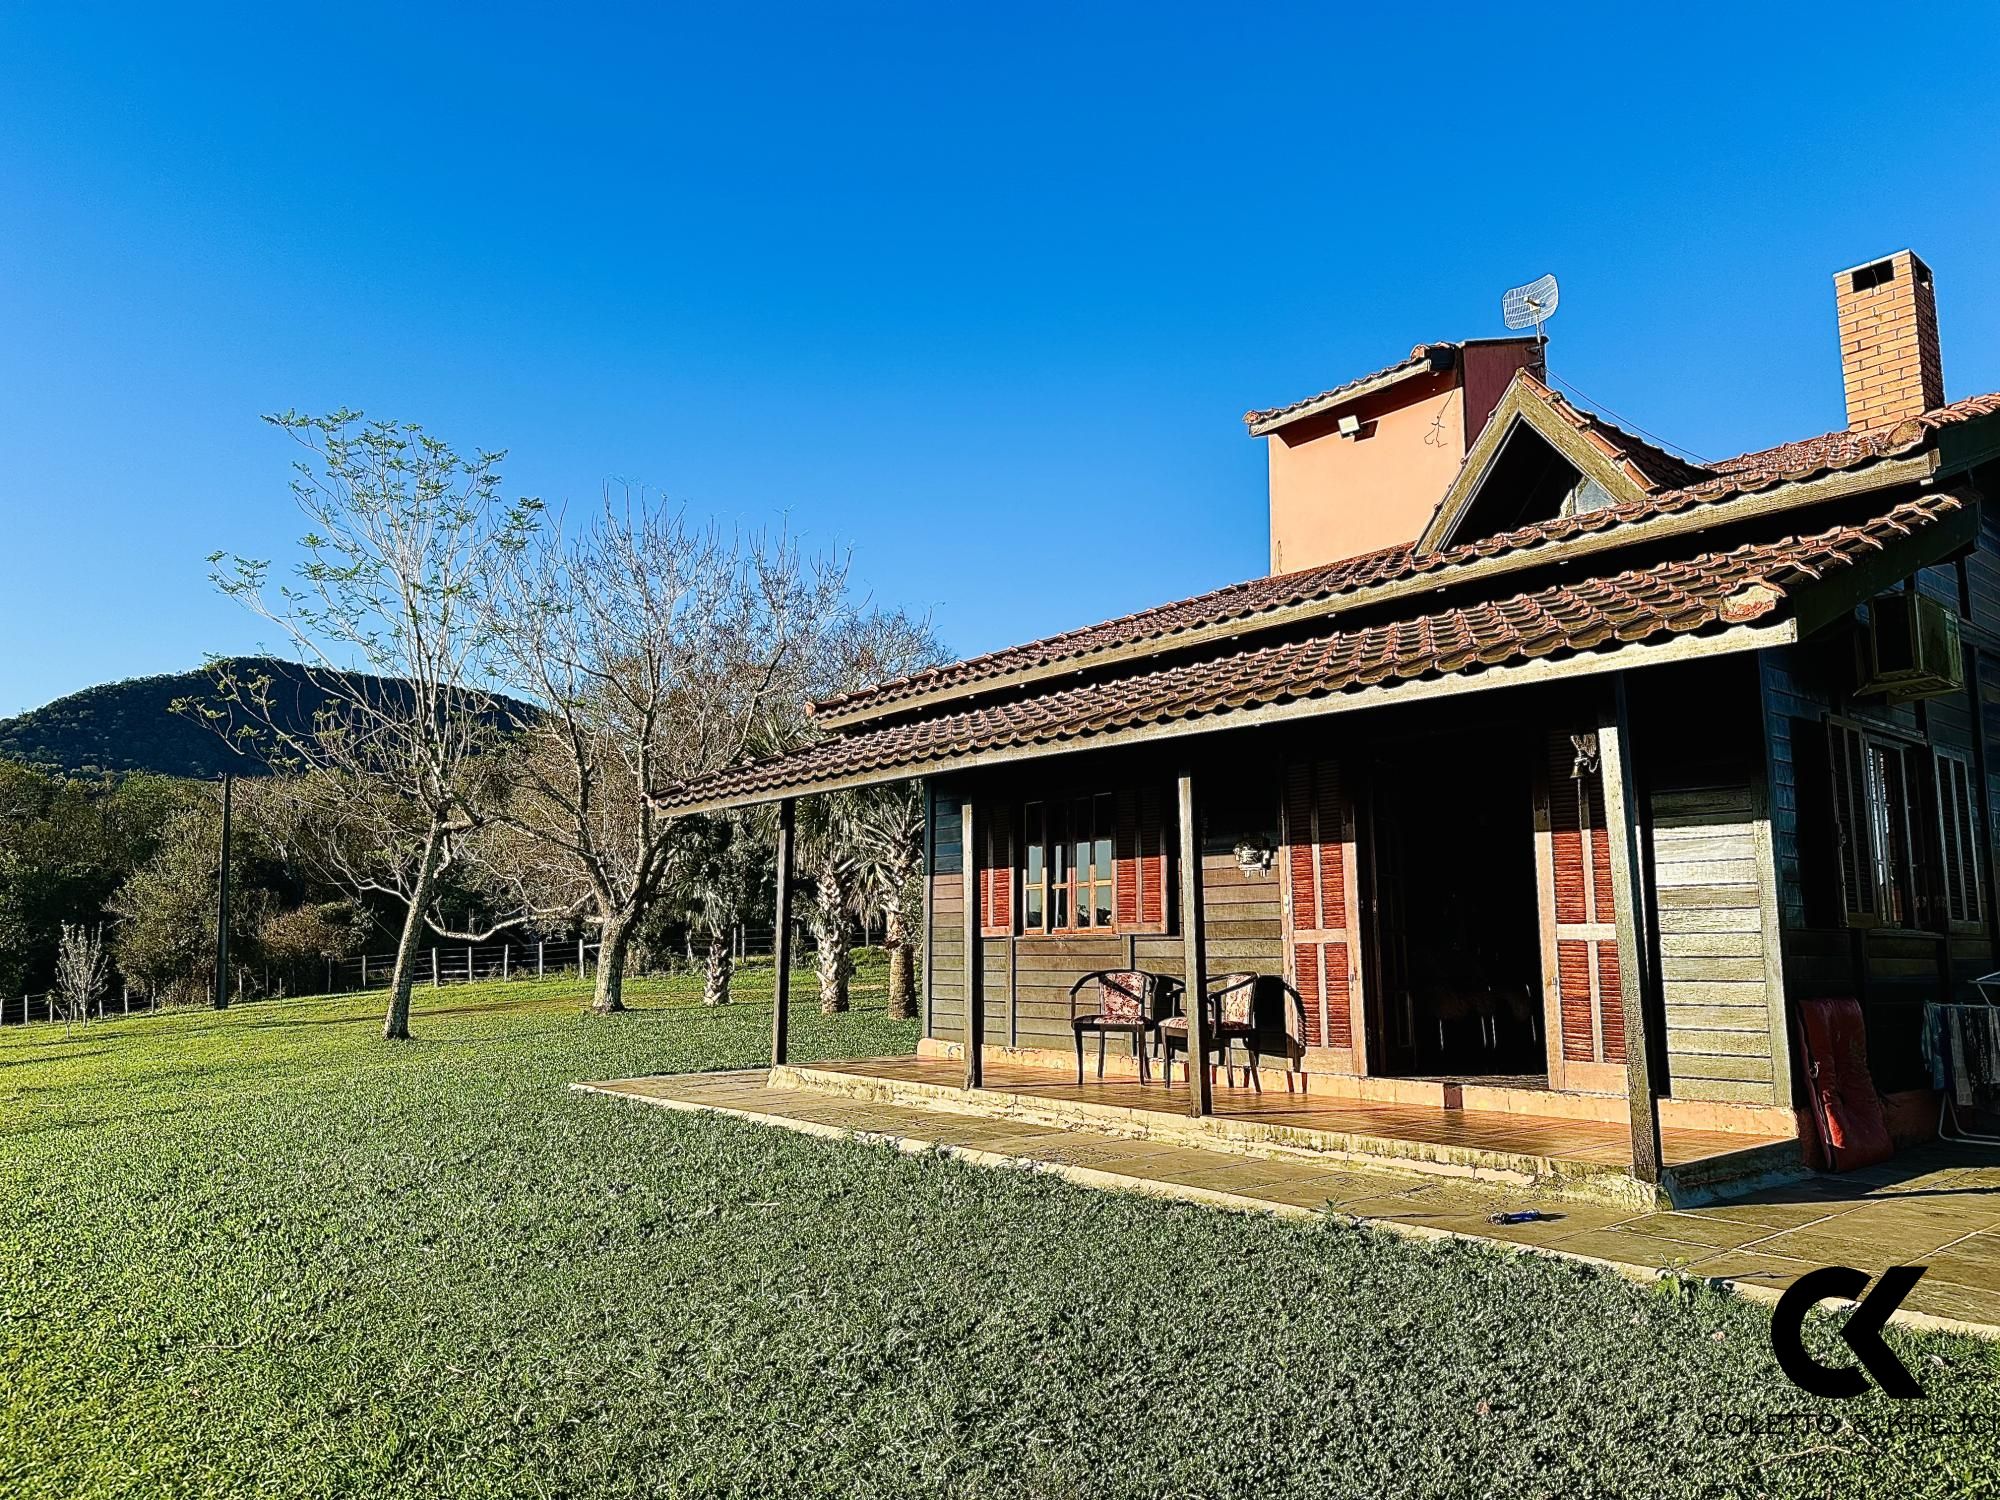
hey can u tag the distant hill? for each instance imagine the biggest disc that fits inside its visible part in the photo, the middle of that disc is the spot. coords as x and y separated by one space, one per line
130 726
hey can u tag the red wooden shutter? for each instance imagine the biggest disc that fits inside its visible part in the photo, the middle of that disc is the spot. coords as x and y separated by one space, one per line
996 880
1593 1014
1319 864
1141 897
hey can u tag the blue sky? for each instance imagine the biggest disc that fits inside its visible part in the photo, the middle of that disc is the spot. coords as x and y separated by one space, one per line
980 293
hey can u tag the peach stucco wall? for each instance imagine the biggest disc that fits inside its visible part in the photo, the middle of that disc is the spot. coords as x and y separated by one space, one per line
1333 497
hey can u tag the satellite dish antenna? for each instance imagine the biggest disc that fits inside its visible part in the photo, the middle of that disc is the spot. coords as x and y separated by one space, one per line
1530 305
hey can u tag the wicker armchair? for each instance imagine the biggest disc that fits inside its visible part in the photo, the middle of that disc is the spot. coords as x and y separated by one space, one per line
1122 1000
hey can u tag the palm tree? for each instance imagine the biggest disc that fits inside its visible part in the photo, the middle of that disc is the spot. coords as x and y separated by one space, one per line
827 853
712 879
888 835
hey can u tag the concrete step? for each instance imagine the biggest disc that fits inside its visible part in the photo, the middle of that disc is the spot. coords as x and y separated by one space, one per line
1447 1144
1342 1139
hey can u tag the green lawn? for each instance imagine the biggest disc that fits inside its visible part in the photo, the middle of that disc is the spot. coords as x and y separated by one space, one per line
265 1253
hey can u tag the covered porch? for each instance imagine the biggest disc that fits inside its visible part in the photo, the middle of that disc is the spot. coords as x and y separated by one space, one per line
1344 928
1512 863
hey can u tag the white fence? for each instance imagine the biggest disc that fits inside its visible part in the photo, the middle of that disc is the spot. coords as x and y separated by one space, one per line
438 965
461 964
19 1010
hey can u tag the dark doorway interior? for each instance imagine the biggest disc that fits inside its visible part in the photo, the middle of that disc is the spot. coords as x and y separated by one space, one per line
1457 926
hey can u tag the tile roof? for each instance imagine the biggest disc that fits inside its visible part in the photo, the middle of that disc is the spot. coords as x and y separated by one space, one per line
1677 597
1844 449
1422 354
1247 601
1650 467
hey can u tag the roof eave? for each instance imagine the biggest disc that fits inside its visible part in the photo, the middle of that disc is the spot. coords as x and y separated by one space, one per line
1438 357
1622 657
1882 473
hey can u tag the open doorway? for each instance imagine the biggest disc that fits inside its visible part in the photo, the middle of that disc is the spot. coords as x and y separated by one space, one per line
1456 939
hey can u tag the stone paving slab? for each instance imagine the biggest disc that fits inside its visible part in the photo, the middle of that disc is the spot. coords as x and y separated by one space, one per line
1938 1206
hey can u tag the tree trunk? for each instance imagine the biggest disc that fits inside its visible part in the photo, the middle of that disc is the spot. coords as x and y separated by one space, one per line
902 963
715 989
829 927
610 994
396 1024
835 964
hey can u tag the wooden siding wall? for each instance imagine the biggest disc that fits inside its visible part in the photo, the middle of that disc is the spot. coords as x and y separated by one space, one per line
1697 742
1028 978
945 1005
1724 1027
1892 972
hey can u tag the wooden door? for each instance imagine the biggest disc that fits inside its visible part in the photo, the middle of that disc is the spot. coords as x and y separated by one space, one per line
1581 998
1321 910
1391 1013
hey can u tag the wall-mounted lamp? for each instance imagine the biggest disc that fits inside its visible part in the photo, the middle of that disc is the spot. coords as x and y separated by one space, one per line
1254 855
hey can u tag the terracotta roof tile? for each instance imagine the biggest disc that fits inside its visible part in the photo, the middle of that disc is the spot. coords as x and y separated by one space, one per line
1666 599
1246 601
1421 354
1844 449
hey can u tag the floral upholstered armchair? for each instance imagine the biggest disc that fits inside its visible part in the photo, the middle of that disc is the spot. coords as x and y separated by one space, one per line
1122 1000
1256 1011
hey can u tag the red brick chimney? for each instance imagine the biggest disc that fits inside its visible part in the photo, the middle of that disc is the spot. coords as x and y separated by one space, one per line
1889 355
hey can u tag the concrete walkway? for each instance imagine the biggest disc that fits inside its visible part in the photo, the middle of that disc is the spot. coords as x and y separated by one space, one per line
1937 1207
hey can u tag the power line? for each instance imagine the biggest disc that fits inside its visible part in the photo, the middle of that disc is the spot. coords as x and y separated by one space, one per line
1627 422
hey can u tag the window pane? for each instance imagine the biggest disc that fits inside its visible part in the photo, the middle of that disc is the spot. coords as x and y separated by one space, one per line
1104 903
1058 864
1889 815
1033 866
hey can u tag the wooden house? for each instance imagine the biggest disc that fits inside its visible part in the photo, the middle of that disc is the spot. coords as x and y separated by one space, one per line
1548 772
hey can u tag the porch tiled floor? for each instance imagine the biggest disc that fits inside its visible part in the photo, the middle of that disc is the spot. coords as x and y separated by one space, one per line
1590 1141
1938 1206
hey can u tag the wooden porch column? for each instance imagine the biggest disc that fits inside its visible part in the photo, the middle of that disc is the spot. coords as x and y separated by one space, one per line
1638 966
1194 955
781 947
975 1002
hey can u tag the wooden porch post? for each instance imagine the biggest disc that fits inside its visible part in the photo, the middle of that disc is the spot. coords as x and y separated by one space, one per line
975 1001
781 943
1194 954
1637 964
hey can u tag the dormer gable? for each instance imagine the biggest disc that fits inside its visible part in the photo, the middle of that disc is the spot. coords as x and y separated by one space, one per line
1540 458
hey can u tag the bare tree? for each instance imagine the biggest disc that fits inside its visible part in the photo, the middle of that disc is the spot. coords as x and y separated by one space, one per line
81 972
403 532
660 651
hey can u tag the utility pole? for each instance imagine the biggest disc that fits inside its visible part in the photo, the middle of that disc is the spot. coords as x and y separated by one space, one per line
222 907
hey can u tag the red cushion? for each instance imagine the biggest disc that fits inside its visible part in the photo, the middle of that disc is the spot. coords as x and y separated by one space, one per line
1852 1126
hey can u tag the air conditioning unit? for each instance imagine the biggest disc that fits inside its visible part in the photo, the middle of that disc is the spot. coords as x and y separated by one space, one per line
1910 648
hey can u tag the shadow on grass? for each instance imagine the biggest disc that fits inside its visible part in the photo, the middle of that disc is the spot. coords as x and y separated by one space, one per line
43 1059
